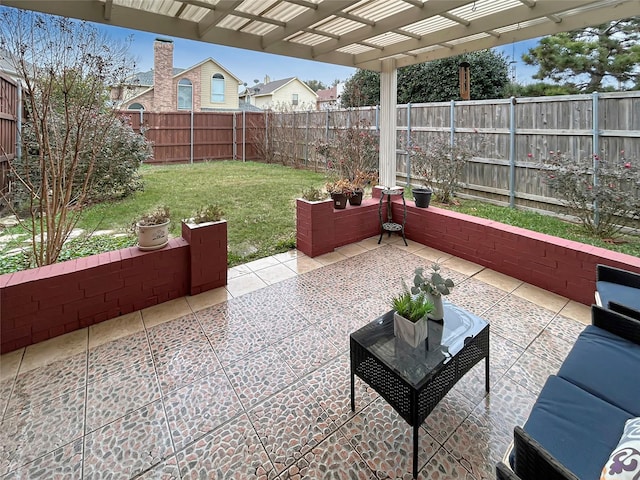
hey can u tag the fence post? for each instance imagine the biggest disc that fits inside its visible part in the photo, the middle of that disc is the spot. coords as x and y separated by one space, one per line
19 123
191 140
452 109
306 141
326 129
377 118
512 152
235 138
244 135
266 130
408 149
596 154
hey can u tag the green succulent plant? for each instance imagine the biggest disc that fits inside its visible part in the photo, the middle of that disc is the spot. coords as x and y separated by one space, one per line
412 307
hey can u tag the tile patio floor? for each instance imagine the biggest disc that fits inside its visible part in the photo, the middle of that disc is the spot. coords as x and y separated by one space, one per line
252 381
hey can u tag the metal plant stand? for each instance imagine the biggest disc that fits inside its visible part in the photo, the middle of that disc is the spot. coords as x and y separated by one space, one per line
391 226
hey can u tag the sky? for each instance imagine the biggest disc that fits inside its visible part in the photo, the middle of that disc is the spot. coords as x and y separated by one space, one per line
248 65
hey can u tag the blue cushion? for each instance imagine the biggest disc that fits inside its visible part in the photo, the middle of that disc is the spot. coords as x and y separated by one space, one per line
577 428
615 292
606 366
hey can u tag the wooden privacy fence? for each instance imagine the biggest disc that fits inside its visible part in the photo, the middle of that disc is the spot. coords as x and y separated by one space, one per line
184 137
8 130
511 137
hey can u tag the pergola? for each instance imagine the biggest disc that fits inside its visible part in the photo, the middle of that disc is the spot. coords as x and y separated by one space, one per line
380 35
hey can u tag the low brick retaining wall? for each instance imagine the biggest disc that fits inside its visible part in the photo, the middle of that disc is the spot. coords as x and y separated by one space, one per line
561 266
45 302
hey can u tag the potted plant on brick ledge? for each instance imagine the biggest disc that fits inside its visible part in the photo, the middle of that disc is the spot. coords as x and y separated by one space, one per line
340 190
153 228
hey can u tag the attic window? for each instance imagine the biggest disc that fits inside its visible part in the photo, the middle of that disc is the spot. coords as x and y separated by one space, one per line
217 88
136 106
294 99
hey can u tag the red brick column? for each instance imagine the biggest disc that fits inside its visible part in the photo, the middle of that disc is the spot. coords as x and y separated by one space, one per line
207 255
314 227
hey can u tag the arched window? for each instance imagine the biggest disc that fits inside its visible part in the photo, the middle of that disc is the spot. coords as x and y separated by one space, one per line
185 94
217 88
136 106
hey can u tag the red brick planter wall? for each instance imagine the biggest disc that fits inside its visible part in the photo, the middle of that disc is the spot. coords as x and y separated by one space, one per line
320 228
562 266
45 302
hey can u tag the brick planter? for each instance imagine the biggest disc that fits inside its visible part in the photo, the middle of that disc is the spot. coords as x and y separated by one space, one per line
45 302
208 255
320 228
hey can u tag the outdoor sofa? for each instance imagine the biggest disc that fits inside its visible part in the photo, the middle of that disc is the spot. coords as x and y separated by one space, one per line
578 419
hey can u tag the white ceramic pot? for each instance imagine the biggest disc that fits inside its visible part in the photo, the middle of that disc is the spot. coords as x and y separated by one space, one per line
412 333
438 309
153 237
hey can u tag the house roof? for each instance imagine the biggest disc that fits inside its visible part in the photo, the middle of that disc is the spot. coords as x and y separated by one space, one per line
271 87
328 94
145 79
357 33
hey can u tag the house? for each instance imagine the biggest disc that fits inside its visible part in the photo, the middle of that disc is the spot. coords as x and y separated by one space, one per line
329 99
288 94
206 86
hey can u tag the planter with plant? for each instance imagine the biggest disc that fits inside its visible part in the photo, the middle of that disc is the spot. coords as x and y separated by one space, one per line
313 194
153 228
206 234
340 190
360 180
206 214
434 286
410 317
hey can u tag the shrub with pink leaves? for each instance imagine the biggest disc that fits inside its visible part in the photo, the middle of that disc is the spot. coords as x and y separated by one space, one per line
603 194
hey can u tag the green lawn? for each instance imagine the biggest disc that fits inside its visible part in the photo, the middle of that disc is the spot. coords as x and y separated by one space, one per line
258 201
259 205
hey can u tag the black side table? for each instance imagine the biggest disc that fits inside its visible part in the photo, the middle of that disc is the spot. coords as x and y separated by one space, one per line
391 226
414 380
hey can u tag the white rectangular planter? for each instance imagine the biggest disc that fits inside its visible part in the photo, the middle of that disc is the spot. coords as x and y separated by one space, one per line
412 333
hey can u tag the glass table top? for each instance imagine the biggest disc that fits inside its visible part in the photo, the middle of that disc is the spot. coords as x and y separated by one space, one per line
417 365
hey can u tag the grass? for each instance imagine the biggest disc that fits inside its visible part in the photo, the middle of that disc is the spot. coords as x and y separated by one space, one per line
259 205
258 201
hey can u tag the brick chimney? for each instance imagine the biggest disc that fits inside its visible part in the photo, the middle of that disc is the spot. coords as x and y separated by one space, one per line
163 93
